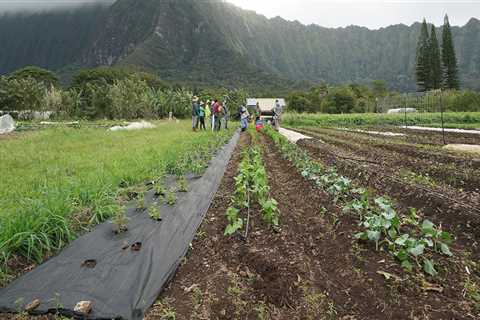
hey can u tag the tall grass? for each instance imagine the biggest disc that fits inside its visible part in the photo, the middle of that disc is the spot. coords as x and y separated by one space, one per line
451 119
57 181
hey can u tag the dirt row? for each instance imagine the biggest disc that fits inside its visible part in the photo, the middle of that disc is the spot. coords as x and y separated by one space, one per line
429 137
455 210
459 189
400 145
311 269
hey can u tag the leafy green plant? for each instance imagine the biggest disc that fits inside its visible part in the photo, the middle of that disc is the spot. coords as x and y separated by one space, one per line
403 237
171 198
251 184
141 201
235 222
270 212
120 221
182 185
160 189
154 212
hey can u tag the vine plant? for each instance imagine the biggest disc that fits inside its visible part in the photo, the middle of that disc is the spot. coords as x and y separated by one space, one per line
409 241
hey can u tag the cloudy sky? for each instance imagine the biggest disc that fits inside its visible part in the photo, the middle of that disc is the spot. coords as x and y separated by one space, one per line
369 13
329 13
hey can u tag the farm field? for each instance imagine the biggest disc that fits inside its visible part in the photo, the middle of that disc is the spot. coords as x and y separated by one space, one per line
58 182
445 187
326 235
345 225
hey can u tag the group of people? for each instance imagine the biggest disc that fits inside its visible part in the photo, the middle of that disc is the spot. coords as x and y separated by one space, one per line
276 112
216 114
210 113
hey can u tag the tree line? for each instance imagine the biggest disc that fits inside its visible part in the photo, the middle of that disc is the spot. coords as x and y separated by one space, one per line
102 93
376 98
435 68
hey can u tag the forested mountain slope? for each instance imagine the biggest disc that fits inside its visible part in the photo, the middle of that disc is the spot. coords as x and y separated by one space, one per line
213 42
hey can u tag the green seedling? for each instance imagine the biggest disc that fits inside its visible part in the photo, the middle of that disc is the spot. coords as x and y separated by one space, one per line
171 198
182 185
235 223
141 201
120 221
154 212
160 189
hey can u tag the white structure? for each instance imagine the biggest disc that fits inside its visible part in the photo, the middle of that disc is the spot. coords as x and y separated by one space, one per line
402 110
7 124
134 126
266 104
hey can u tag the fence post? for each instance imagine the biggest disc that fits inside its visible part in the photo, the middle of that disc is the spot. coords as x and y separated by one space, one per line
405 109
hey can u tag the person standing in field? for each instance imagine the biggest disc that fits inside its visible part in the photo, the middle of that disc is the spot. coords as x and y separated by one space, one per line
208 112
226 115
217 114
195 107
258 111
244 115
201 116
277 114
212 121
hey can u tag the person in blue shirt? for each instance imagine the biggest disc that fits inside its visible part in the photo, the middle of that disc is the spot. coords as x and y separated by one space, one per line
201 116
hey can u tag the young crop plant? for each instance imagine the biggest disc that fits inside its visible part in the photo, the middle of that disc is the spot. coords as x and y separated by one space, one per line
182 184
251 184
412 243
120 221
160 189
235 222
171 198
154 212
270 212
141 201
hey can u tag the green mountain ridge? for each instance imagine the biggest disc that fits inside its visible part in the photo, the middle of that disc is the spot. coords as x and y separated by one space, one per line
216 43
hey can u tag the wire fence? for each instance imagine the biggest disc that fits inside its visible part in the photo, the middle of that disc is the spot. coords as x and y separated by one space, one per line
433 110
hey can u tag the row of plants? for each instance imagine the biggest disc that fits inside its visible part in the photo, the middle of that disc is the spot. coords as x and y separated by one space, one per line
195 162
43 212
412 242
451 119
251 185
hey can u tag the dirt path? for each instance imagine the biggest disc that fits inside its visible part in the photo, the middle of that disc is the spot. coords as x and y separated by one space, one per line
310 269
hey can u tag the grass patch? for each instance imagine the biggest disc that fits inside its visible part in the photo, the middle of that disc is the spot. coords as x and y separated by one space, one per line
463 120
57 179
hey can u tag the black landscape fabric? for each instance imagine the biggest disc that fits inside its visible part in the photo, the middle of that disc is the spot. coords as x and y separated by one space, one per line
124 283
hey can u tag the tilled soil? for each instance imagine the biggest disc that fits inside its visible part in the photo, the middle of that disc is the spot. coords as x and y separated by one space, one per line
310 269
462 173
432 137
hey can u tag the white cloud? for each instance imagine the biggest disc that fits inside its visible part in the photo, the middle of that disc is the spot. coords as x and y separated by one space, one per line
371 14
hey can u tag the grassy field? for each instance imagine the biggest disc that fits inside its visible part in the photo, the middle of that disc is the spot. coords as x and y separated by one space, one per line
464 120
58 181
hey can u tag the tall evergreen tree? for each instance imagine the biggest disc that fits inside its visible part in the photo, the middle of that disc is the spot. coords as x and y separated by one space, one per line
450 67
435 65
422 68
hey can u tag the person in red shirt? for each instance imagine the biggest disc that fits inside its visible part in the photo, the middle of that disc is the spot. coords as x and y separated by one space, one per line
217 110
